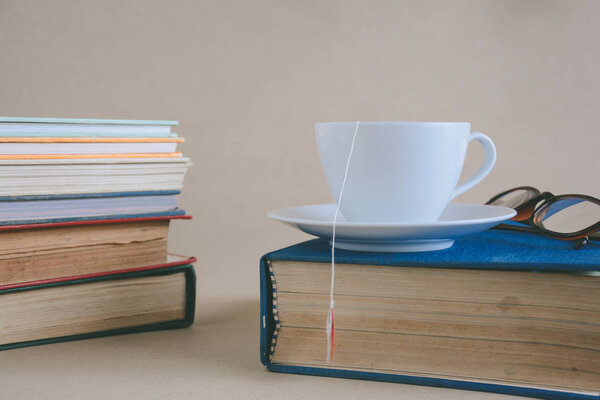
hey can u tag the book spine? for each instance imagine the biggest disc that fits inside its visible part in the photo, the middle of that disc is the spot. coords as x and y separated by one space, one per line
266 318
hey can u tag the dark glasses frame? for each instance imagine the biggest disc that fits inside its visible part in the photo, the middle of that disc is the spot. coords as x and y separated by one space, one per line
531 212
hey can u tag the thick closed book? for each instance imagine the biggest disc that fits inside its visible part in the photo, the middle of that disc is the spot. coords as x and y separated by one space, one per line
507 312
45 251
91 306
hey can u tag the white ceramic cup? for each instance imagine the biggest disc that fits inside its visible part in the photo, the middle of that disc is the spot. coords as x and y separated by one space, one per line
399 171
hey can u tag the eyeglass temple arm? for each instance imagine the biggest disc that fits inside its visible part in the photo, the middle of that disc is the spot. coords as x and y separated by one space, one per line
536 200
517 228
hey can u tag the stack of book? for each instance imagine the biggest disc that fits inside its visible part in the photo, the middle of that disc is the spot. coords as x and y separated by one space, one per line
500 311
85 208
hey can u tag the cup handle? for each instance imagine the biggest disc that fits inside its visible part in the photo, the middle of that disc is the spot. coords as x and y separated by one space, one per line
489 159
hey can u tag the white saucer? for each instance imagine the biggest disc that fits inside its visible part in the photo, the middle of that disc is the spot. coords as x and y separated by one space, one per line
457 220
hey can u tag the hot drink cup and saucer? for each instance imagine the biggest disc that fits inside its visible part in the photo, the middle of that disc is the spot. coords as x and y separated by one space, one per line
399 180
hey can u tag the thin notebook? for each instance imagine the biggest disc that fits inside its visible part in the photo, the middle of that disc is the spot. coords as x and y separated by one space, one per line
78 127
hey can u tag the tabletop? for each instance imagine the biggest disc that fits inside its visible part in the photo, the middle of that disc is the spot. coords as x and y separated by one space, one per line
216 358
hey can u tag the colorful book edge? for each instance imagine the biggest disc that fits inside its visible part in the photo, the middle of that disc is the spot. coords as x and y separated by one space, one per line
4 225
88 195
168 264
102 220
88 135
94 121
85 140
7 157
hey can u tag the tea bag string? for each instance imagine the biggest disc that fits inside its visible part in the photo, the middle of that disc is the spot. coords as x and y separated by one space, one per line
330 327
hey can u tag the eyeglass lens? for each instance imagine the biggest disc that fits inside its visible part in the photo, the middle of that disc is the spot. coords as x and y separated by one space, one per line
515 198
568 215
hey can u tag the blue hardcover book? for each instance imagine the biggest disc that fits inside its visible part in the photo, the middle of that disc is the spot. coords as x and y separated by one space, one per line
88 195
106 217
17 210
507 312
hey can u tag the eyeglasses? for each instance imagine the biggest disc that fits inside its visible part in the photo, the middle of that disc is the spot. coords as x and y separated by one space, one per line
567 217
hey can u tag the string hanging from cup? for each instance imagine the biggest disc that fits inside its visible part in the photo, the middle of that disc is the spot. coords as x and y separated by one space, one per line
330 325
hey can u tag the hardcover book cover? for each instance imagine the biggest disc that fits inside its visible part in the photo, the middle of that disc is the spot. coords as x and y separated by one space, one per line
81 307
89 195
50 222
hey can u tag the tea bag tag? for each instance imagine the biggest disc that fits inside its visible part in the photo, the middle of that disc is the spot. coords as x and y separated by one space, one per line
330 324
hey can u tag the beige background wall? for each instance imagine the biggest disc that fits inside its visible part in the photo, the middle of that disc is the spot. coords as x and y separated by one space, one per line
247 80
